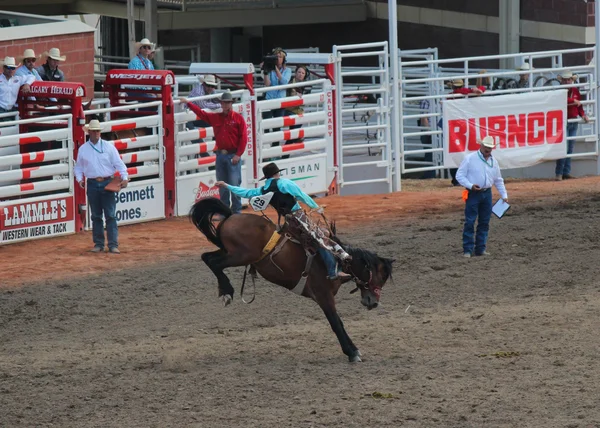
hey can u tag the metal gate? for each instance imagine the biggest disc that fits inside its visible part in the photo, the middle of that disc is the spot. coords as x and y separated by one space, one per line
423 77
365 152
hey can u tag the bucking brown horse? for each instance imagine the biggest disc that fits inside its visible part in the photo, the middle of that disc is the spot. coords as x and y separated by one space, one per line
246 239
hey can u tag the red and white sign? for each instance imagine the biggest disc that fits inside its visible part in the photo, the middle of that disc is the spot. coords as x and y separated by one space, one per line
37 219
528 128
204 191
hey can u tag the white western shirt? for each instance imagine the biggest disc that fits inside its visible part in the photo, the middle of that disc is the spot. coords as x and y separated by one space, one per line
474 169
100 160
9 89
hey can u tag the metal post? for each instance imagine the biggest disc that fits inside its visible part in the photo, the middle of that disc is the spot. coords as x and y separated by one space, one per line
597 98
395 93
150 19
131 27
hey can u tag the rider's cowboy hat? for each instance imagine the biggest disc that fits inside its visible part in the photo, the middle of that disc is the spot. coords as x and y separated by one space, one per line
144 42
488 142
226 97
54 53
94 125
28 53
270 169
9 61
209 80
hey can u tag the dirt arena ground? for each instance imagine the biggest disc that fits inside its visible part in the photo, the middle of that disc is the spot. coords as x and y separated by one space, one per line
140 339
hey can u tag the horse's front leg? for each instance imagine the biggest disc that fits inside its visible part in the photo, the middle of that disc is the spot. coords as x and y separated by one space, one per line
327 304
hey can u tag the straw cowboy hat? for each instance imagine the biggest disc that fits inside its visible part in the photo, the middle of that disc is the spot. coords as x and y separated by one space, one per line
9 61
525 67
28 53
457 82
94 125
144 42
567 74
54 53
488 142
209 80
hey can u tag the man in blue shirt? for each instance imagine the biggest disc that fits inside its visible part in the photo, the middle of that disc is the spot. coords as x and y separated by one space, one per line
285 198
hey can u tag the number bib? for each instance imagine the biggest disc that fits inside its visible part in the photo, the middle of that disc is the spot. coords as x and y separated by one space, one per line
260 203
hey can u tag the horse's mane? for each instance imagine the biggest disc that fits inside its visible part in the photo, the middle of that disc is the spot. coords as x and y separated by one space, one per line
368 257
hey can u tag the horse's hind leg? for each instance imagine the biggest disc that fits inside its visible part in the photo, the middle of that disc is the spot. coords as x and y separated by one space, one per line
219 260
214 260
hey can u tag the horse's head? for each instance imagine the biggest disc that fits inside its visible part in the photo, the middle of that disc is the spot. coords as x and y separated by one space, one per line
371 273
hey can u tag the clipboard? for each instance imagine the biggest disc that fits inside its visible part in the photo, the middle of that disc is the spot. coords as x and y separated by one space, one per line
114 185
500 208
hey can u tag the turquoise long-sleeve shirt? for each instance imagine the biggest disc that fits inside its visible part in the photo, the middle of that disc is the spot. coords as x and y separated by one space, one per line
284 185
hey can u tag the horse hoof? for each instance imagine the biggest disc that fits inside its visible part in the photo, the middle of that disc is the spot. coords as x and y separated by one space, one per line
355 359
226 298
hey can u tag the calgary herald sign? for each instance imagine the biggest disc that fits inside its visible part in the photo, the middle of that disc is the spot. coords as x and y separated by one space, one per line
528 128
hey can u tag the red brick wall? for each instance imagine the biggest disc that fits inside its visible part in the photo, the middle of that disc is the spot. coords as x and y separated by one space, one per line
79 49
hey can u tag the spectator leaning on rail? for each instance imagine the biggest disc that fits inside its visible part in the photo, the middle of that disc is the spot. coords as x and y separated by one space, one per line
286 195
97 161
277 76
230 142
50 71
574 111
206 86
141 60
28 68
10 85
302 74
478 172
524 77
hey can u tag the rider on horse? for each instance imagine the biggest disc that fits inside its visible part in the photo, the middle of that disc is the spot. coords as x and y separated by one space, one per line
286 193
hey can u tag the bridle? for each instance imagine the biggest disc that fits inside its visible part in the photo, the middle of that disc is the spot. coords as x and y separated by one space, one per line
363 285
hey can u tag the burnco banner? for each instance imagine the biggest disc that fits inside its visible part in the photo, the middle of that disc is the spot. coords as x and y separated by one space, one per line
528 128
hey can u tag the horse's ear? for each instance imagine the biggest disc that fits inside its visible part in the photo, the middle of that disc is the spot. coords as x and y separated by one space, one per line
389 260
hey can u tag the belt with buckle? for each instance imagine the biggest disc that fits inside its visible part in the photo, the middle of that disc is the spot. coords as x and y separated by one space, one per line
225 152
101 178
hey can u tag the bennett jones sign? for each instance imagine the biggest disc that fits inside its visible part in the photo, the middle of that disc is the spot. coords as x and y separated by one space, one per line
36 219
528 128
139 202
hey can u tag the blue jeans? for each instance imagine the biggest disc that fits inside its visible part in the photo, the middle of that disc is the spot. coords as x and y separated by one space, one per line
102 201
563 166
330 262
230 174
479 204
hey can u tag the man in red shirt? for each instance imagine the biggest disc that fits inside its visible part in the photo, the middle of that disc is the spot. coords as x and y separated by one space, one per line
574 110
230 142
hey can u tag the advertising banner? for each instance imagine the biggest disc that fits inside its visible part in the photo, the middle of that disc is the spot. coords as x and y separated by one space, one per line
42 218
528 128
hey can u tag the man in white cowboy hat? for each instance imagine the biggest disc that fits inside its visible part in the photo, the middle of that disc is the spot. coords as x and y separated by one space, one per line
10 86
206 86
477 173
28 68
459 90
98 161
50 71
230 142
524 76
574 111
141 60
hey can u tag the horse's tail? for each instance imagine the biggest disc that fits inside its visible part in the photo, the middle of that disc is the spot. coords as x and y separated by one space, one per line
202 213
